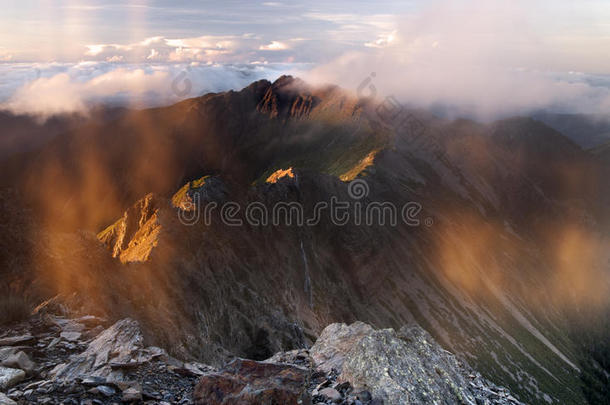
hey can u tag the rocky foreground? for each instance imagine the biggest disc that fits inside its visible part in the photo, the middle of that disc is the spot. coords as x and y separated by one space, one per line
52 359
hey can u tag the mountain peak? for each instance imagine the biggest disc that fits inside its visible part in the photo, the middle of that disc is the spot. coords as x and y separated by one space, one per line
287 97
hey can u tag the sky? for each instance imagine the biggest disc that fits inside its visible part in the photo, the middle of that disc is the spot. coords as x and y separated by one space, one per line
489 58
170 30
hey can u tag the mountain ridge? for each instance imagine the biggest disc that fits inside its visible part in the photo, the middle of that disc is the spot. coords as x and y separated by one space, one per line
482 270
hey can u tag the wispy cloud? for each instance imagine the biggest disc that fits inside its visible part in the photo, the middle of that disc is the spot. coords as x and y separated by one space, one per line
207 49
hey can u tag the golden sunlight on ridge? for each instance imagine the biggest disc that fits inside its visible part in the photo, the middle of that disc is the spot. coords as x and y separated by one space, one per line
279 174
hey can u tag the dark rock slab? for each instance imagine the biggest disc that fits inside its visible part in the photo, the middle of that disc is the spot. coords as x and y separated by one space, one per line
248 381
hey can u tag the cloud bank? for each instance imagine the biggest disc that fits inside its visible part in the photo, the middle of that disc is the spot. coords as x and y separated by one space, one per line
470 58
484 59
44 90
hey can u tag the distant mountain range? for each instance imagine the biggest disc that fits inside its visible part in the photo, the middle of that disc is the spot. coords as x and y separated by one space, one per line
503 258
588 131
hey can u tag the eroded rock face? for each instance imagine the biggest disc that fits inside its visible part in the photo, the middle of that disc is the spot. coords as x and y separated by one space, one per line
248 381
133 237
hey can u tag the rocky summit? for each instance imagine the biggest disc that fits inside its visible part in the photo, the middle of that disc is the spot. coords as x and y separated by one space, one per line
53 359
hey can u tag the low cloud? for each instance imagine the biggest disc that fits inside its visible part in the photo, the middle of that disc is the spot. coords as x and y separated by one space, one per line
485 60
46 90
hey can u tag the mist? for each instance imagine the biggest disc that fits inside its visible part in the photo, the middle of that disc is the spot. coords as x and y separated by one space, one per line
464 59
485 60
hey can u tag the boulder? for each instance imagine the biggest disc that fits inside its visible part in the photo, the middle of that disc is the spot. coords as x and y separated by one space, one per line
6 352
19 360
70 336
4 400
10 377
403 367
331 393
248 381
334 343
132 394
122 343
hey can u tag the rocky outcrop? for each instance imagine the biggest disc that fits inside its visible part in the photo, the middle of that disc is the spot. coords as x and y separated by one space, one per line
118 348
202 190
334 343
356 365
404 367
77 361
133 237
287 98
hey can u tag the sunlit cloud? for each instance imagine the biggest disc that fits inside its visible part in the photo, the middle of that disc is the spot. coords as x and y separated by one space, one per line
479 59
273 46
382 41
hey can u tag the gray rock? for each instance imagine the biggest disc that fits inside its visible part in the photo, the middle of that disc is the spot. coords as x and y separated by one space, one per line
106 390
4 400
132 394
93 381
66 325
17 340
9 377
90 321
334 342
398 367
92 333
331 394
70 336
53 342
6 352
19 360
32 385
298 357
364 396
123 342
198 368
16 394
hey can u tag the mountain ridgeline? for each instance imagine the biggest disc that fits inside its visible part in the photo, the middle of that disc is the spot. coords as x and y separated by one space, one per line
503 259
